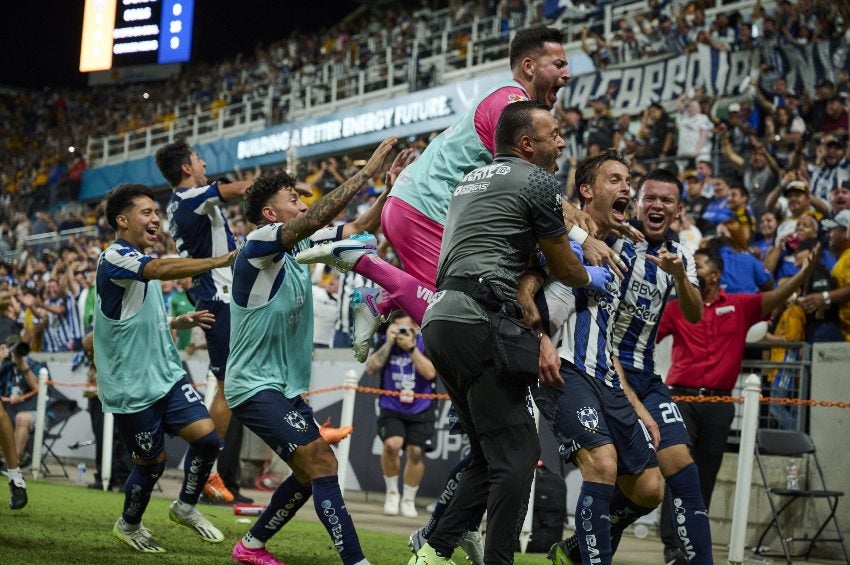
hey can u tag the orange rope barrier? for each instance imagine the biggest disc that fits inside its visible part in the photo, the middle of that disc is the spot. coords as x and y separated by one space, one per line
441 396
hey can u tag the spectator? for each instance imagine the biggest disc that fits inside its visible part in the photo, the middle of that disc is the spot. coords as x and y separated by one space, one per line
657 132
18 387
742 225
742 272
760 174
799 201
821 321
835 119
717 210
780 259
839 197
325 309
839 244
64 329
694 133
766 236
600 127
831 167
695 202
405 422
179 304
9 324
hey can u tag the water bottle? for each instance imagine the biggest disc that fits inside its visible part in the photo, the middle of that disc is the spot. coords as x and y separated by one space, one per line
81 474
792 475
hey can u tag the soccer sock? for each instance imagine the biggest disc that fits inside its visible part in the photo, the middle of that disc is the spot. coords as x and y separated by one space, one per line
400 290
690 515
592 523
331 510
288 497
446 496
137 491
409 492
17 477
623 513
392 484
197 466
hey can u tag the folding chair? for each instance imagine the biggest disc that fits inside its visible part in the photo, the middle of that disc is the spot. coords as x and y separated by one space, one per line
790 443
60 410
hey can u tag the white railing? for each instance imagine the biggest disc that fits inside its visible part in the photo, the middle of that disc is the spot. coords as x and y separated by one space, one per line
450 51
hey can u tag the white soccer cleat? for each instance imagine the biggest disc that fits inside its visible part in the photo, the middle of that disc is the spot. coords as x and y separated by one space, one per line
391 503
196 521
139 539
408 508
342 254
472 546
364 302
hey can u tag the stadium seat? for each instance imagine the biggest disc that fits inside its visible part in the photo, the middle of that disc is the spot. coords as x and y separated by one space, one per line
798 445
59 413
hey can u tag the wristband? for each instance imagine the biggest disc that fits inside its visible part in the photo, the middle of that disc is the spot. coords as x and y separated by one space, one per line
826 299
578 235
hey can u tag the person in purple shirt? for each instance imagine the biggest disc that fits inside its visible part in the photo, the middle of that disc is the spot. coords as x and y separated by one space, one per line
406 421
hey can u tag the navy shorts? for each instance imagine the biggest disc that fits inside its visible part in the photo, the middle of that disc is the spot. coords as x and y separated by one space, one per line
658 400
416 429
218 336
143 431
283 423
587 413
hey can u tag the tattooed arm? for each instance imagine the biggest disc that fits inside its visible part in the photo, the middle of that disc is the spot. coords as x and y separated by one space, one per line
329 206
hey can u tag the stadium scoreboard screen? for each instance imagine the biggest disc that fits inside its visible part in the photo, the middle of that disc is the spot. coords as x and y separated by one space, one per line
120 33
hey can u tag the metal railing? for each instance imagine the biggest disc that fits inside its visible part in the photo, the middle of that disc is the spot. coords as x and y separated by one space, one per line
790 378
53 240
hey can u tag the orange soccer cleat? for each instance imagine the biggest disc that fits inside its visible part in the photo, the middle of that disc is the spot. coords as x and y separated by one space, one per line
334 435
215 490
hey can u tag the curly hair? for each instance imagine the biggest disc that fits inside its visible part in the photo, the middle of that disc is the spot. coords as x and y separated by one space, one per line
262 189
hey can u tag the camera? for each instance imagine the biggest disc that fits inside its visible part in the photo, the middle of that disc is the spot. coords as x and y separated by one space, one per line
404 330
17 347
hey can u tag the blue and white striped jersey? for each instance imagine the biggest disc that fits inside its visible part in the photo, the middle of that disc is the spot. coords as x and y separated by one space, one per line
63 329
645 292
200 230
121 289
581 322
260 267
824 178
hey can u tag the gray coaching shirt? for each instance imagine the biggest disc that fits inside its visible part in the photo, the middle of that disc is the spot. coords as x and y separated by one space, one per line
496 216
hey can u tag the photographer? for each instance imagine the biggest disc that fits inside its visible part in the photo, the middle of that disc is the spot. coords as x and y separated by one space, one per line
18 386
405 421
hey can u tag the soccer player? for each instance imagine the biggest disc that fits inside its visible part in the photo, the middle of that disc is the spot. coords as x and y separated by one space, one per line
662 267
17 485
591 414
271 351
196 212
415 213
141 378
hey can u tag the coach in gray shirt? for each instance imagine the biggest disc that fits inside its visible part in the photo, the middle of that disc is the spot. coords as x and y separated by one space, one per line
498 216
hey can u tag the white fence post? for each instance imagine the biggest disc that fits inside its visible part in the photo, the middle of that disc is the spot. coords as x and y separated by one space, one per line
40 418
346 419
106 451
743 480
